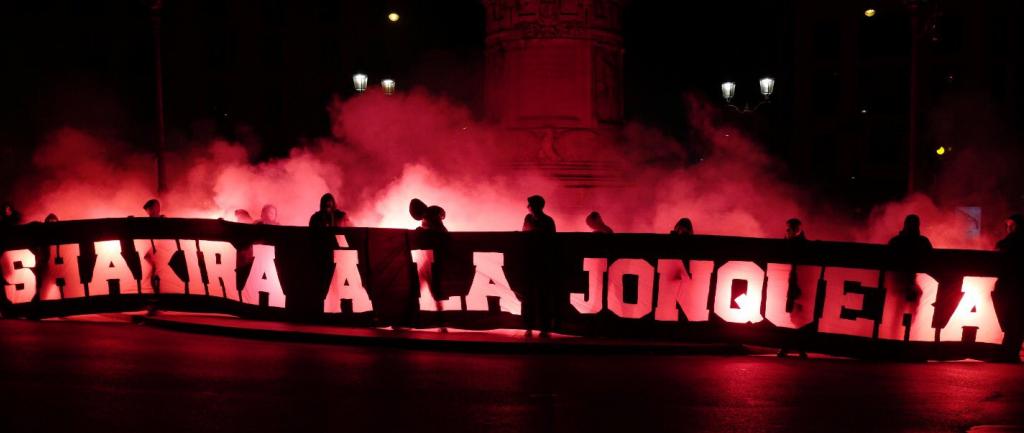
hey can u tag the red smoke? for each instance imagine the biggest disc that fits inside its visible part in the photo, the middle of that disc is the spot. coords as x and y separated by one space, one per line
385 150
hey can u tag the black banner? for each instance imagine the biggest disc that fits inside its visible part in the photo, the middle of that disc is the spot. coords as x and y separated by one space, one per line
839 298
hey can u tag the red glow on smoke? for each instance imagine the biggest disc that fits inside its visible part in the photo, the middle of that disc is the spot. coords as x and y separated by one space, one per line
386 150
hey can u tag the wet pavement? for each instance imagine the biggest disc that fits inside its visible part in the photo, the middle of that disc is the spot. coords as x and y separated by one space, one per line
75 376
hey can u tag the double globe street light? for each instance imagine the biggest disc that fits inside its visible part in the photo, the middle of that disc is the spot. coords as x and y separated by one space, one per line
767 85
359 82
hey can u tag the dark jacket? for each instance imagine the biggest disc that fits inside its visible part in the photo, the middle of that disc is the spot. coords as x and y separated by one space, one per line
334 218
539 224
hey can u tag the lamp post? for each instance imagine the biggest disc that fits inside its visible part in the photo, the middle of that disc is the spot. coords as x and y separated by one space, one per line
924 15
915 23
161 179
766 86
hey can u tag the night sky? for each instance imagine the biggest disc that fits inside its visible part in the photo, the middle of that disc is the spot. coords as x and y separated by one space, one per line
274 65
265 70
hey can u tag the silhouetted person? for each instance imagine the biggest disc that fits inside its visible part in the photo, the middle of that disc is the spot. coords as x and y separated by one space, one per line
537 220
910 240
431 218
432 235
539 303
1010 288
10 217
242 216
795 230
683 227
794 233
152 208
1013 242
268 216
597 224
51 218
328 215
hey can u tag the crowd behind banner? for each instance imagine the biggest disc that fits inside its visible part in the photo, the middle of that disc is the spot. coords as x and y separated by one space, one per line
900 300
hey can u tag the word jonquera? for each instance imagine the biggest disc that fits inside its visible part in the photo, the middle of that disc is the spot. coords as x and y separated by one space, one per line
672 290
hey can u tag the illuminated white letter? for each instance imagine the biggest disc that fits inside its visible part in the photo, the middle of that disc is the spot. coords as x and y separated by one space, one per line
644 288
591 302
62 272
220 259
490 281
748 305
110 266
836 299
263 278
346 283
975 309
778 294
424 260
687 290
921 309
156 265
21 282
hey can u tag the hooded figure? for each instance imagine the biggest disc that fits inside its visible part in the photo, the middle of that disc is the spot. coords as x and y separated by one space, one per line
795 230
10 216
431 218
596 223
1012 242
683 227
910 240
328 215
242 216
268 216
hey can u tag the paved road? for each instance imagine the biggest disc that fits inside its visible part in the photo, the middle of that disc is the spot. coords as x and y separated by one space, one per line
80 377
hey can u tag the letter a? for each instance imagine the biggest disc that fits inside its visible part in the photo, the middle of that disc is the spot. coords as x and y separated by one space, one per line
346 283
263 278
975 309
490 281
110 265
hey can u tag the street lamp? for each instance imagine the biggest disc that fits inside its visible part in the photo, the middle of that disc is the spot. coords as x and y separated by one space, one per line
155 9
767 86
388 85
359 82
924 15
728 91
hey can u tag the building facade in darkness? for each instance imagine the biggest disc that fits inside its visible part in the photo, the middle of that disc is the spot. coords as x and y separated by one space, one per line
554 80
851 78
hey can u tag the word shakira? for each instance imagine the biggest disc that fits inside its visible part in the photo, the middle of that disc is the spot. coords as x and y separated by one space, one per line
214 268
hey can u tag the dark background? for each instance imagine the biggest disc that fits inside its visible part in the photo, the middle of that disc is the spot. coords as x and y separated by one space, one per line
264 71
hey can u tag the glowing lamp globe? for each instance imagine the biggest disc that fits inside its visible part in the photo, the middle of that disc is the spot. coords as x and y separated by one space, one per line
359 82
767 86
389 86
728 90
